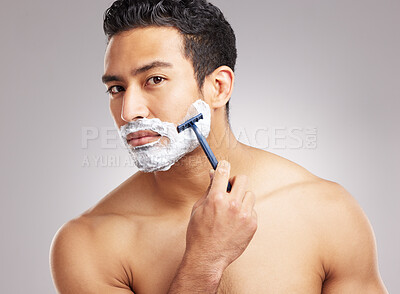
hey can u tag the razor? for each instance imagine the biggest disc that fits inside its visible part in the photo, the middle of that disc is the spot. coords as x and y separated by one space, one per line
191 123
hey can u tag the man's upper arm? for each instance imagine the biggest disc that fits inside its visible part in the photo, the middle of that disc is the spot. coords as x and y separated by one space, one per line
78 267
350 258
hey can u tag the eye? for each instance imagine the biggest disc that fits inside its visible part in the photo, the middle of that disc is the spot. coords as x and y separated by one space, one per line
155 80
114 90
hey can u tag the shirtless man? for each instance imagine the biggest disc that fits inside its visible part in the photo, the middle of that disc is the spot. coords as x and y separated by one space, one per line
171 231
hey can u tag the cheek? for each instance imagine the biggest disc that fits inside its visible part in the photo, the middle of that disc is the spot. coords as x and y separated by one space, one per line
176 102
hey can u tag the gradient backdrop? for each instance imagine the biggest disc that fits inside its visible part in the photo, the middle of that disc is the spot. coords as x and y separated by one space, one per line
317 82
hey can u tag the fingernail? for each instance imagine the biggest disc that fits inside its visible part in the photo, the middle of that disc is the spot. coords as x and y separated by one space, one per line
223 167
211 173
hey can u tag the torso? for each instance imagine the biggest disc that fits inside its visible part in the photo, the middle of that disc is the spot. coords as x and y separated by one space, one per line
283 257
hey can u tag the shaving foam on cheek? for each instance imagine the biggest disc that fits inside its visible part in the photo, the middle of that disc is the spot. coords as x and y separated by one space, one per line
160 155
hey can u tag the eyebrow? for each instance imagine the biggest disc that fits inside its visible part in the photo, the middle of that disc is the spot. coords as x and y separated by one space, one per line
114 78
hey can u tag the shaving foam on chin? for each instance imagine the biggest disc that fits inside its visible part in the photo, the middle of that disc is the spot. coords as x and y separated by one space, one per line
160 155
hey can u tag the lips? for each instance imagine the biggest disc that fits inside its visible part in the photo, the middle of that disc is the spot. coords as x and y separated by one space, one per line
142 137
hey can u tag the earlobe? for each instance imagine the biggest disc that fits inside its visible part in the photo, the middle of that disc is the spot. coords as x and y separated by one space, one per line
222 85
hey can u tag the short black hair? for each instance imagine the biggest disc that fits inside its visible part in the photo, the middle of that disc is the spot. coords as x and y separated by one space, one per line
209 40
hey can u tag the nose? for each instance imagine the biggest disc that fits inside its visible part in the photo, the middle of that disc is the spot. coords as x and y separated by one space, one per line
133 105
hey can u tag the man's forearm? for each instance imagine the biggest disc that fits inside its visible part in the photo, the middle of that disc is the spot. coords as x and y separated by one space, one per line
195 276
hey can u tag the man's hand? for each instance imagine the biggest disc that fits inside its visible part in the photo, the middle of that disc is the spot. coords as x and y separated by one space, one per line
220 228
222 224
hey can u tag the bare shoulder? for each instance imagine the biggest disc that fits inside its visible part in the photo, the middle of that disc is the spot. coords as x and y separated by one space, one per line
333 213
346 239
87 256
329 220
112 246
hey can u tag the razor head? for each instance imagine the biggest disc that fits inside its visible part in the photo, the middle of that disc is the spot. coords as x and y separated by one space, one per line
189 123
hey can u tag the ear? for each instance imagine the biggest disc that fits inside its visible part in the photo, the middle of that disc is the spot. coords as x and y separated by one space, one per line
220 86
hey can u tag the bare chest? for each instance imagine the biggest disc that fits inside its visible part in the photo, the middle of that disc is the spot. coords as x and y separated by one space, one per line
274 262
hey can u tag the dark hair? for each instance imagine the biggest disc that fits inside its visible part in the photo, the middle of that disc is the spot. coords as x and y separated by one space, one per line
209 40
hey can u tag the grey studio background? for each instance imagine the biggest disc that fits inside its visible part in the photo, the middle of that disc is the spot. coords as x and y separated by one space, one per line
316 82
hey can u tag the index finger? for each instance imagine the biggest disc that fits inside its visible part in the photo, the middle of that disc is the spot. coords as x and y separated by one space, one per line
221 177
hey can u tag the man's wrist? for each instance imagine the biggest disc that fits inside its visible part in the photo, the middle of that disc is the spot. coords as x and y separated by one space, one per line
194 275
202 267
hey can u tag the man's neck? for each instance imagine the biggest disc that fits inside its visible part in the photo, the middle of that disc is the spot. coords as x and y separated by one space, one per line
187 180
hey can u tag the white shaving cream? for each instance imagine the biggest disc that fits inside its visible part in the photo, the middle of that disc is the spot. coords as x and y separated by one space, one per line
160 155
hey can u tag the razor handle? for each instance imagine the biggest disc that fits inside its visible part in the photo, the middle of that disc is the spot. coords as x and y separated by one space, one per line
207 150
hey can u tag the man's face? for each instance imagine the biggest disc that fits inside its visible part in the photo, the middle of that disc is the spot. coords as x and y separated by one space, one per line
148 76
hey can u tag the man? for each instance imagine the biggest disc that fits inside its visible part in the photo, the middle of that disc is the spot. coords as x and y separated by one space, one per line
175 228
